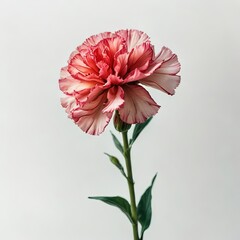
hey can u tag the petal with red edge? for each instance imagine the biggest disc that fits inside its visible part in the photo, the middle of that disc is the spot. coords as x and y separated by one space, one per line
140 57
115 98
133 37
113 80
120 64
69 103
64 72
90 118
165 62
134 76
170 63
94 40
90 60
82 96
164 82
138 105
114 44
104 69
170 66
165 54
71 85
77 65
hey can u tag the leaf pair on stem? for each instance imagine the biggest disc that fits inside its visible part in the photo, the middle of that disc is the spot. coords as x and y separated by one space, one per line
144 208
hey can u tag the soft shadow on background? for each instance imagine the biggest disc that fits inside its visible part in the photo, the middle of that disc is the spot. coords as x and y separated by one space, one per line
48 167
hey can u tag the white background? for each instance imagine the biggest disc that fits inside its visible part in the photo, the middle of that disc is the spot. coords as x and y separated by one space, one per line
48 167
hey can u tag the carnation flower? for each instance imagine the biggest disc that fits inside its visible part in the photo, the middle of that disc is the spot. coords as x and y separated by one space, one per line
106 73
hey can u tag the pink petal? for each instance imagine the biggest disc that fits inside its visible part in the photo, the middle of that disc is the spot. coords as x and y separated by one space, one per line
82 96
113 80
91 78
163 82
107 50
164 77
138 105
69 85
115 98
95 39
104 69
77 64
148 68
140 57
171 66
75 101
164 62
170 63
134 76
120 64
114 45
90 118
90 60
165 54
101 53
133 38
64 72
79 69
70 104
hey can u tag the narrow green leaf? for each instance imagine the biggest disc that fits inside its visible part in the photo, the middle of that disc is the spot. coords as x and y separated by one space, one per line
118 202
116 162
138 129
117 143
144 209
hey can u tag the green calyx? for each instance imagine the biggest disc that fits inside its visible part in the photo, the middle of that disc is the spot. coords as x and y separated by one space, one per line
119 125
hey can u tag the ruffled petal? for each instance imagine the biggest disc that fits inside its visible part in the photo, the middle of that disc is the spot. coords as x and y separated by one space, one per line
171 66
138 105
164 54
164 77
170 63
83 72
82 96
120 64
90 60
67 83
64 72
115 98
94 40
104 69
69 103
113 80
70 85
77 65
163 82
133 37
140 57
134 76
90 117
114 45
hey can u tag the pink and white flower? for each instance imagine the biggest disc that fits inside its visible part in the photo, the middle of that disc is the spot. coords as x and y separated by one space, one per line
106 73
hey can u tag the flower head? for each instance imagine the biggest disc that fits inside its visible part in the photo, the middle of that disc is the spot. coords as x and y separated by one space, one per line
106 73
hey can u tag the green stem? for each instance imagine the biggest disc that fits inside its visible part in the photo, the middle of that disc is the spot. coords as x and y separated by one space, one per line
127 156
